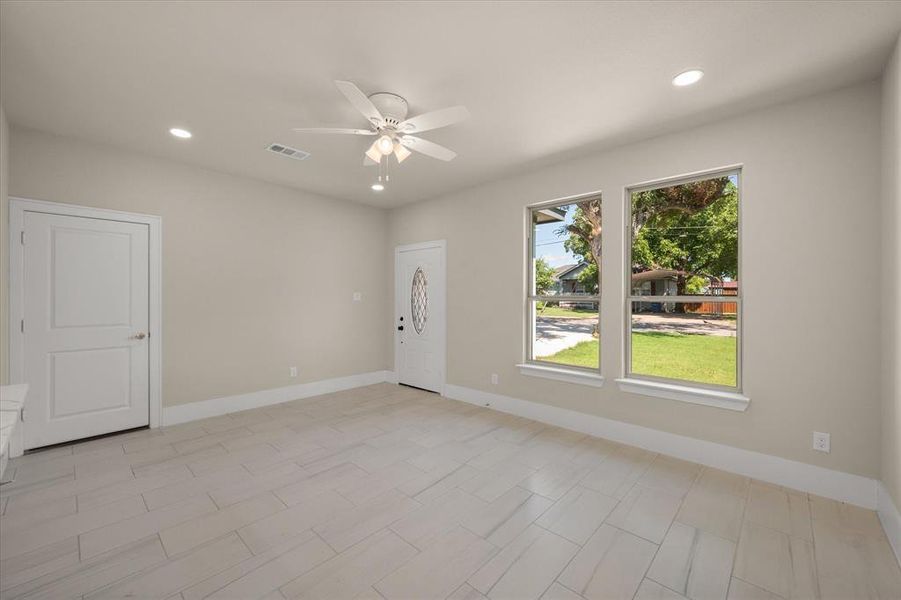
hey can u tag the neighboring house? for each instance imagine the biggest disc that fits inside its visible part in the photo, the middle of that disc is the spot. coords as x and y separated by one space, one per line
554 214
662 282
566 279
659 282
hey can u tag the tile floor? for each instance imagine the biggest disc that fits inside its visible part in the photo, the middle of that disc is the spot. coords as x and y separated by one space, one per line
389 492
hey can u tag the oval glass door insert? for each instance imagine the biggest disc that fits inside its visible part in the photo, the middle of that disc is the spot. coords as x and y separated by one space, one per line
419 300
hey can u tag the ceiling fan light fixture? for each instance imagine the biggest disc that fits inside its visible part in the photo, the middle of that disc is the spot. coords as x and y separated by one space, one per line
377 187
374 153
385 145
401 152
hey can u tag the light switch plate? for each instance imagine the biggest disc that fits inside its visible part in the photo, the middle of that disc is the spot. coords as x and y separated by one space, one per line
358 296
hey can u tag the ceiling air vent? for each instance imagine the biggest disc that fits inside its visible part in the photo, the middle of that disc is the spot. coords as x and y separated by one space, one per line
288 151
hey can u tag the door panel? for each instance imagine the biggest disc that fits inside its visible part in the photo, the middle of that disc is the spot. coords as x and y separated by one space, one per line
86 299
89 381
420 343
104 291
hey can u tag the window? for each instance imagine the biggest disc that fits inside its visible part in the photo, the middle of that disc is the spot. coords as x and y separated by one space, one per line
564 284
683 291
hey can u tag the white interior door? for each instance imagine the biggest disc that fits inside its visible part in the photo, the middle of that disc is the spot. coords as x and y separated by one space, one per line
86 309
420 324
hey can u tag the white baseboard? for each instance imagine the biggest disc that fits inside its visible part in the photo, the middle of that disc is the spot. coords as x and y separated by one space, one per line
845 487
837 485
890 517
182 413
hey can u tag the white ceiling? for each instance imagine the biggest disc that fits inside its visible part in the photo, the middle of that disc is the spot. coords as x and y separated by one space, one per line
544 81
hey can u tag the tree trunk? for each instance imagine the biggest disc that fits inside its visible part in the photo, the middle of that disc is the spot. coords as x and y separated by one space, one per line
681 282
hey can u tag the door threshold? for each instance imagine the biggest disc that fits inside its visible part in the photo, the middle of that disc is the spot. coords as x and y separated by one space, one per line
82 440
418 388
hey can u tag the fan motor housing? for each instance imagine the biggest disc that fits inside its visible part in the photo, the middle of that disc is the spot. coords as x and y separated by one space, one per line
393 107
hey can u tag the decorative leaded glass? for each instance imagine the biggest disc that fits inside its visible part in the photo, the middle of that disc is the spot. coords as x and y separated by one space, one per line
419 300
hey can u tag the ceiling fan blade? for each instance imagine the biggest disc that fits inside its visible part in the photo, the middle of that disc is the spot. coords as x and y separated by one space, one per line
435 119
360 102
428 148
334 130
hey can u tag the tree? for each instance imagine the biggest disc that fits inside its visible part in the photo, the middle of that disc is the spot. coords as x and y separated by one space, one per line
544 276
683 199
690 228
585 240
589 277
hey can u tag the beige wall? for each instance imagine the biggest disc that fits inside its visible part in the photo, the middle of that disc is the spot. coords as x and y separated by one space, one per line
811 189
4 259
256 277
891 276
259 277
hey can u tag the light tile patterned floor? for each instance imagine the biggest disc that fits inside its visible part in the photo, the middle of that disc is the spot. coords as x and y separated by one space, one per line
389 492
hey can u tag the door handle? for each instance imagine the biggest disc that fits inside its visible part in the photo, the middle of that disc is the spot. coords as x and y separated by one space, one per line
139 336
400 327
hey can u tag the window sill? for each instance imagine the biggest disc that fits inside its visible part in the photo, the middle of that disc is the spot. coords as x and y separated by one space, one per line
684 393
561 374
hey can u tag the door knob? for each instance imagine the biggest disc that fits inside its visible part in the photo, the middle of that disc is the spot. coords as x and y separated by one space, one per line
400 327
139 336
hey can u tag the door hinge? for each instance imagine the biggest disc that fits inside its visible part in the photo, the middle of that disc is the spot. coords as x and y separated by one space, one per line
22 237
22 325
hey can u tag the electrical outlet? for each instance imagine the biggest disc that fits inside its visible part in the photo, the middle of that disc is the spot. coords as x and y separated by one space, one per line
494 378
293 371
821 441
358 296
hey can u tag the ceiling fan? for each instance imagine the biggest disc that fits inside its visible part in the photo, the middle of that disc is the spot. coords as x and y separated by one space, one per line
387 116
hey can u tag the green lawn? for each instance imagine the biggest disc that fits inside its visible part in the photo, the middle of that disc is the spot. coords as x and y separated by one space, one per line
702 358
556 311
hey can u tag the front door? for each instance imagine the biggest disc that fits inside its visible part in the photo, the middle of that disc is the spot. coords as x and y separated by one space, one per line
85 330
420 325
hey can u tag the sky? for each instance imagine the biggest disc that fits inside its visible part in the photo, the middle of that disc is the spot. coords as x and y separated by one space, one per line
549 246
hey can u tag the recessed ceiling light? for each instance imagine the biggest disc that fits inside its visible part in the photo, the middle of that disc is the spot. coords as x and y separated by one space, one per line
688 77
180 133
377 187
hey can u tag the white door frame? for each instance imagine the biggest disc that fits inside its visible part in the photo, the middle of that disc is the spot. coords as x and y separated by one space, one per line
17 209
442 245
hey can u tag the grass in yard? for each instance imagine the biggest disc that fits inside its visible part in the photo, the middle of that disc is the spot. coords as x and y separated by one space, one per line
702 358
556 311
583 354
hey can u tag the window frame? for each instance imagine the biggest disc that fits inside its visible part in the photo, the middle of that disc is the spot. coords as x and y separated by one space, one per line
655 381
544 368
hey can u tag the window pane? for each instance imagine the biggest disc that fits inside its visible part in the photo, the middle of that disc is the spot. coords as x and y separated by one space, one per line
685 239
690 341
566 333
566 248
